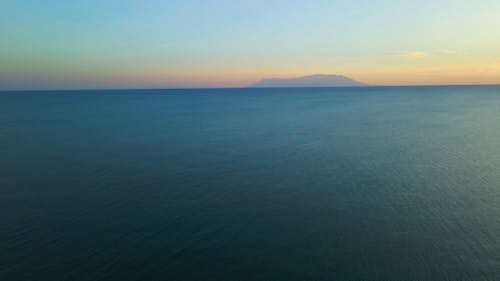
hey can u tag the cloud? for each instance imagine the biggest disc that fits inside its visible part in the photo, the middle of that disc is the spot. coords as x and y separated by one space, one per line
349 58
448 52
410 54
424 54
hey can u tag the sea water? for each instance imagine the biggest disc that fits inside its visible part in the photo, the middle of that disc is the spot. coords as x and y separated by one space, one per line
370 183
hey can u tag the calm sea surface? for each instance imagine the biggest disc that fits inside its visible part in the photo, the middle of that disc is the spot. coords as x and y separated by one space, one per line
382 183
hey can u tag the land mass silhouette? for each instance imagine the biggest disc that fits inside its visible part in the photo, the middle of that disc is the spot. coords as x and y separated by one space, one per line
317 80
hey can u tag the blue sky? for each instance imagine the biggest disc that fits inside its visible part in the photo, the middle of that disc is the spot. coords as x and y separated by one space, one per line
123 44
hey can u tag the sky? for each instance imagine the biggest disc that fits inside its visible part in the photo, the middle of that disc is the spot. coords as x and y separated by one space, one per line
77 44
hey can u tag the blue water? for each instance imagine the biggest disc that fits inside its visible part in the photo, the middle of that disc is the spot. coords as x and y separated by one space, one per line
382 183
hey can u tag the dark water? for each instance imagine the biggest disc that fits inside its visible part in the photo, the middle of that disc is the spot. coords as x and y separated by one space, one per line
398 183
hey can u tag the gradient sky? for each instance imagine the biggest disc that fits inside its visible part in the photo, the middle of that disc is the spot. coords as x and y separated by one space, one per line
50 44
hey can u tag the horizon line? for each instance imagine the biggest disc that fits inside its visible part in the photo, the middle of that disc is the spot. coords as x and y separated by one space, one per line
242 87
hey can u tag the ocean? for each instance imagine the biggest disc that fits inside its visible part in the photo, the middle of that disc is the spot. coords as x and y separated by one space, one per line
362 183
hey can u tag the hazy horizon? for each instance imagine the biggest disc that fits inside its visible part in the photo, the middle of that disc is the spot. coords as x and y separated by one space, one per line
249 86
226 44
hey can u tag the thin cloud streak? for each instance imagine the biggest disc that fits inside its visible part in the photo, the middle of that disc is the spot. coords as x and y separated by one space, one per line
448 52
424 54
410 54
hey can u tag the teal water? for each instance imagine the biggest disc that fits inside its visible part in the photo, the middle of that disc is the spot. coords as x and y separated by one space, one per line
382 183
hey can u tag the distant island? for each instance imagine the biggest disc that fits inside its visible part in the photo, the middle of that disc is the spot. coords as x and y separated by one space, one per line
318 80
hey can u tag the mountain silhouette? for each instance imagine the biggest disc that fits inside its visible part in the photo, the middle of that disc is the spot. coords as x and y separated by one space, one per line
318 80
